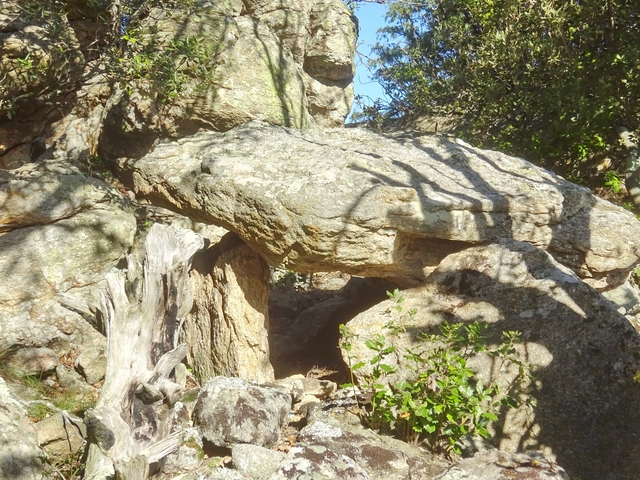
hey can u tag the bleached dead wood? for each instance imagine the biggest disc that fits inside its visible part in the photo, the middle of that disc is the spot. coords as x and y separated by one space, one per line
130 426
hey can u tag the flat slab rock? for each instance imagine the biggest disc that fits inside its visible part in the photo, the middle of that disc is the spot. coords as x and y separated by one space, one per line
498 465
373 205
328 448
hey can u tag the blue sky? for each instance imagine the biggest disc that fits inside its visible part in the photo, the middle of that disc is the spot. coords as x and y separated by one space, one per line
371 18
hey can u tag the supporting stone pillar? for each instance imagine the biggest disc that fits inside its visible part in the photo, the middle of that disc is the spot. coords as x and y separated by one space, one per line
227 329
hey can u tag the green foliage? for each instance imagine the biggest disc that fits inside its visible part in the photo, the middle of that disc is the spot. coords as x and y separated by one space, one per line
549 80
37 411
441 401
613 181
42 73
168 68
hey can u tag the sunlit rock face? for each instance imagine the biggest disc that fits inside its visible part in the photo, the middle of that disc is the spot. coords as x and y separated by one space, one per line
285 63
383 206
60 233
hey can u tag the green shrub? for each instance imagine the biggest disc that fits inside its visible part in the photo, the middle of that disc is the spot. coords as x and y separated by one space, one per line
441 401
167 68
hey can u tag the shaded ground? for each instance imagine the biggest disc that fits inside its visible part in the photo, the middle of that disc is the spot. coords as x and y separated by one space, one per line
305 313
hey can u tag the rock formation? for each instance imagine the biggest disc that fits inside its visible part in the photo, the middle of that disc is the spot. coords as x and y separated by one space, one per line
61 232
217 110
287 63
584 353
370 205
227 329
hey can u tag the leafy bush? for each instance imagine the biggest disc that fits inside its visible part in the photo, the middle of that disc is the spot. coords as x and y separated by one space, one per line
44 73
441 401
168 68
548 80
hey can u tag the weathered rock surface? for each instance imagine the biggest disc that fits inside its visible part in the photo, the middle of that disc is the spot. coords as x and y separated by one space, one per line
77 135
255 78
227 329
92 365
256 462
39 55
230 411
188 457
212 473
626 297
33 361
72 382
60 232
58 436
370 205
584 353
331 449
21 458
498 465
321 36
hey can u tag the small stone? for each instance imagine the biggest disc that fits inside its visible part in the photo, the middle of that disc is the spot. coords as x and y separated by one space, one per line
92 365
230 411
34 361
71 381
254 461
59 436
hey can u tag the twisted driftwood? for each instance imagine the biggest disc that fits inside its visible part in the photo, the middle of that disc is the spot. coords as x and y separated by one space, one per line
129 428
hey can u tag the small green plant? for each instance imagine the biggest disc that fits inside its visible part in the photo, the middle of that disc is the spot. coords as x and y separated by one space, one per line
26 62
440 401
37 411
613 181
397 298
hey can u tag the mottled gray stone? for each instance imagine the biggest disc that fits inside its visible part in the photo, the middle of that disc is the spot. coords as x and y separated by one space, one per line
497 465
230 411
92 364
59 437
384 206
329 448
60 232
73 382
254 461
21 458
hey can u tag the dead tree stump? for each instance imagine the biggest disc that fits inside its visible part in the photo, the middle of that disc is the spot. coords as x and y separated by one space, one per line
143 310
